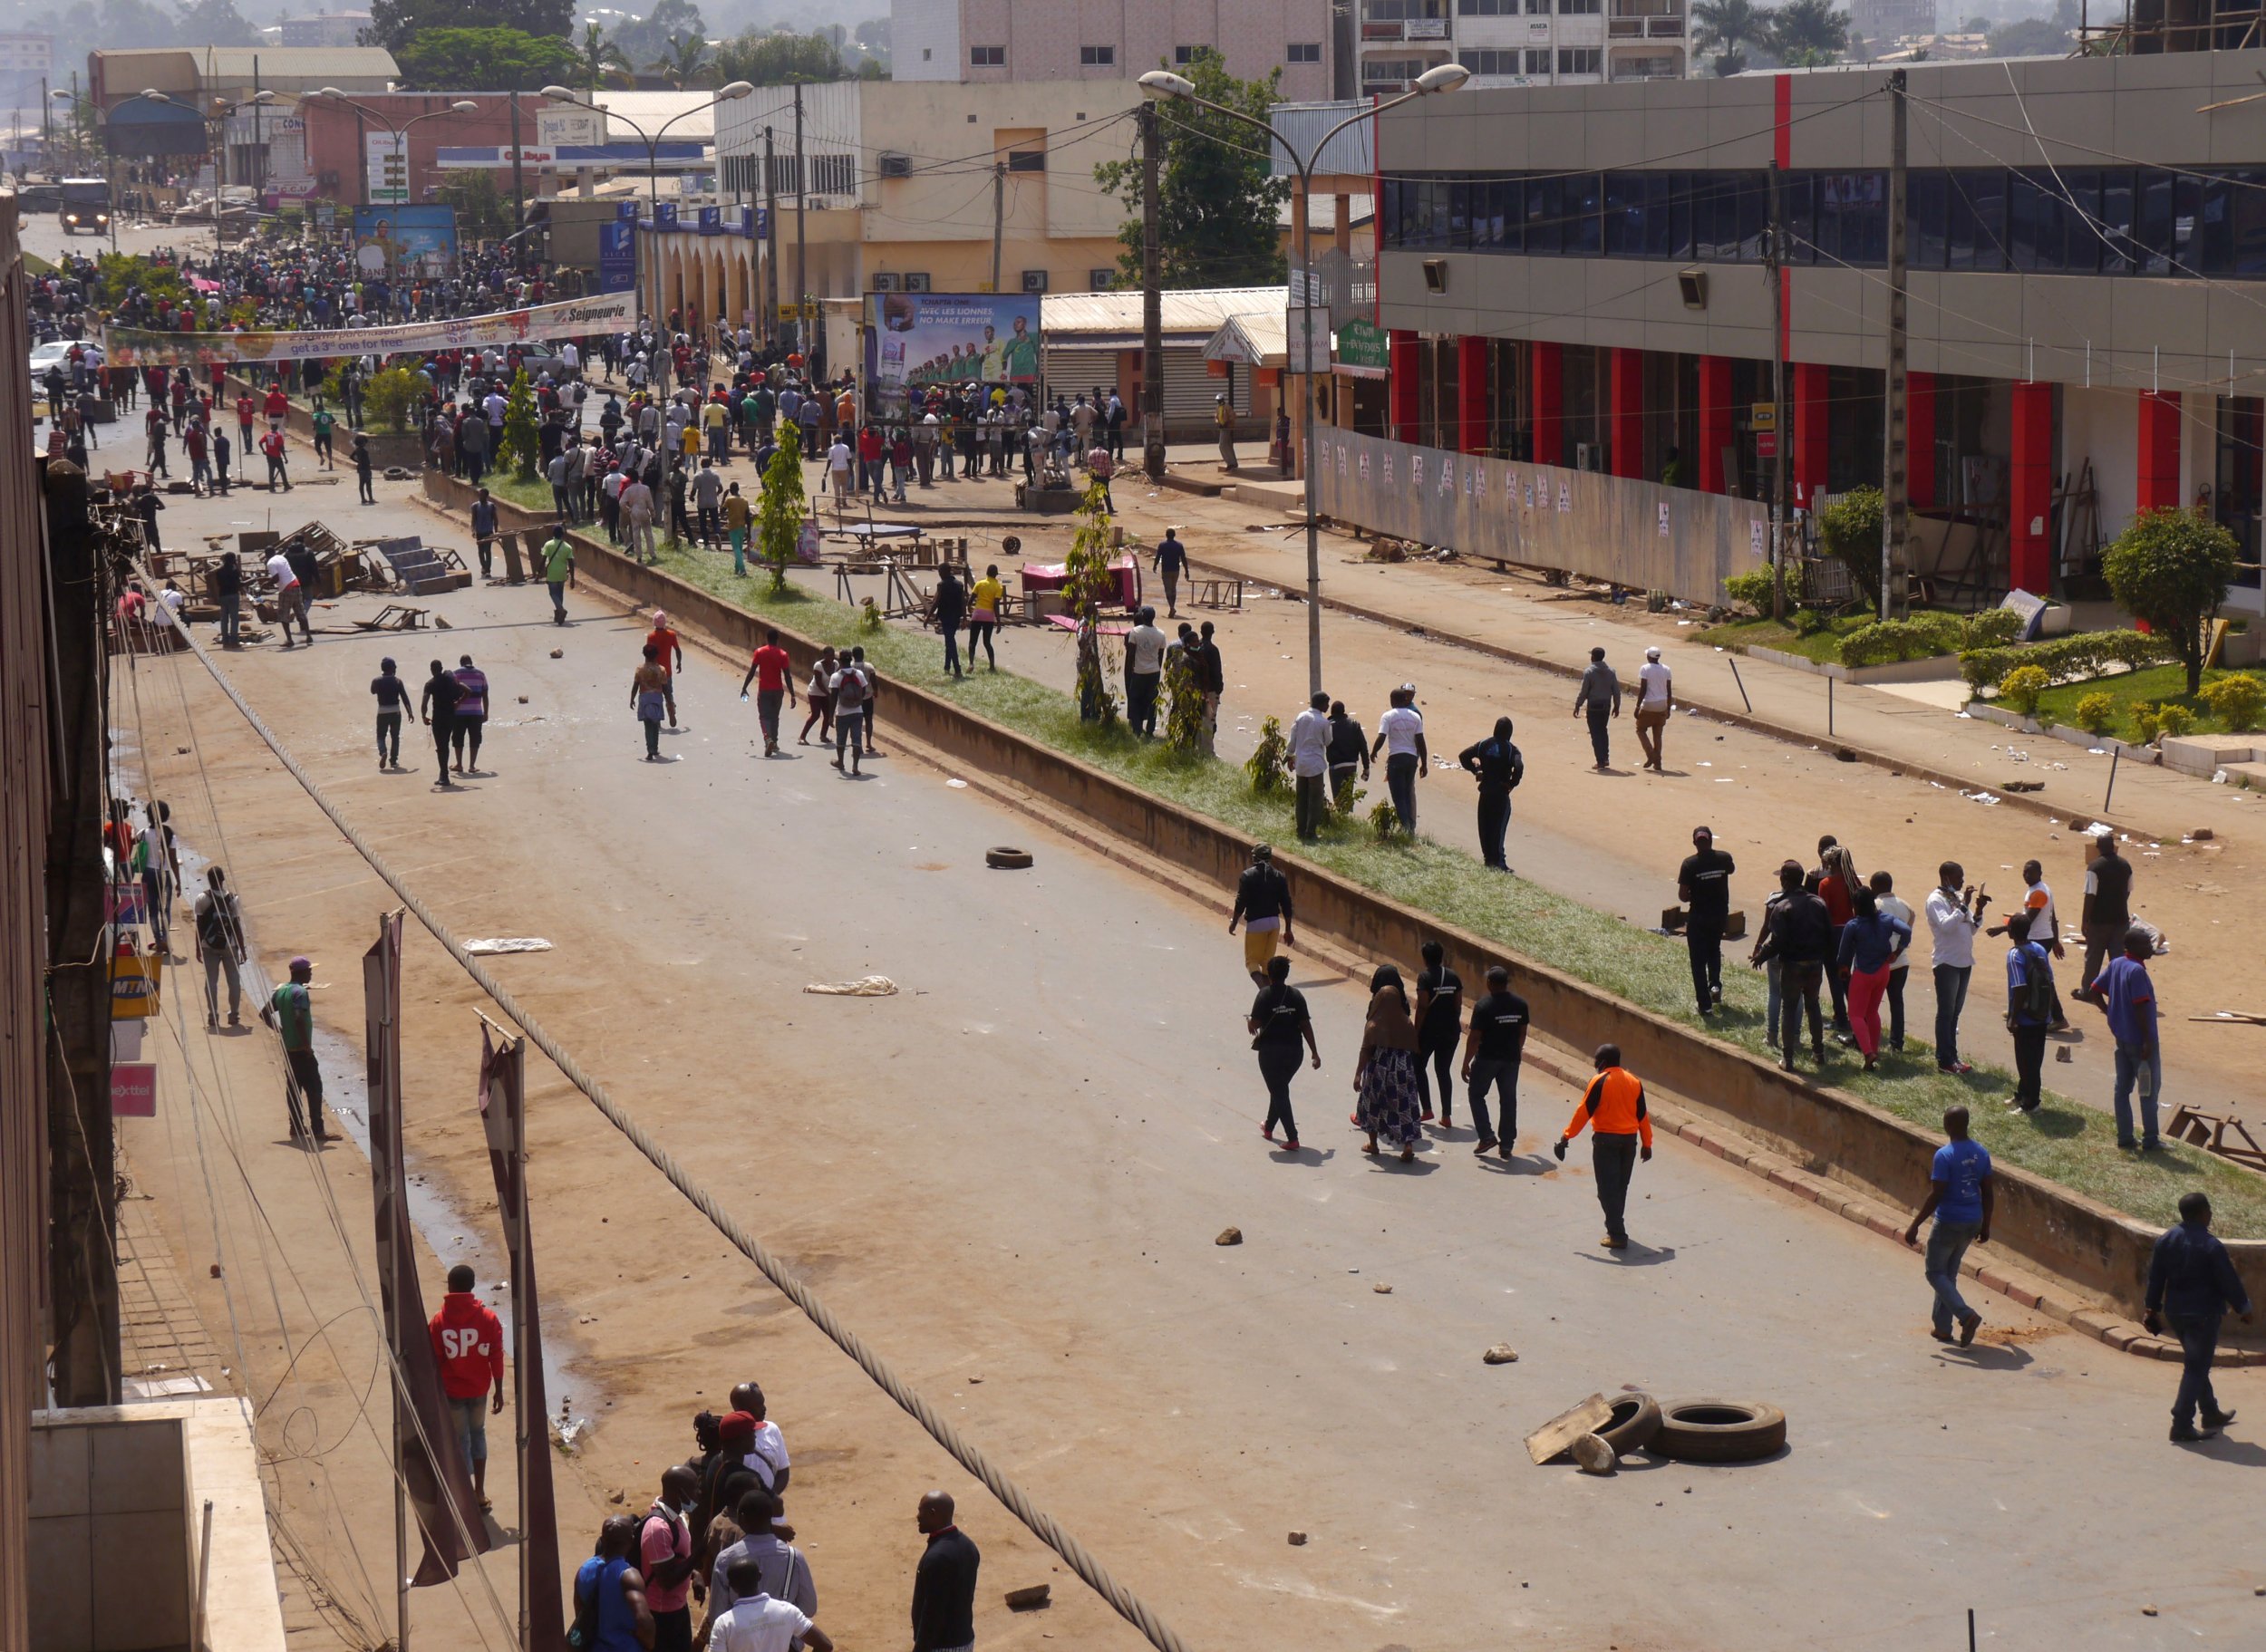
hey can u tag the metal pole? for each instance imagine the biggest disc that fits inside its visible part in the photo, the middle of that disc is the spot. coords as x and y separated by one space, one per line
1306 419
998 214
1829 705
2114 757
810 357
204 1571
1152 301
517 1057
1742 687
1779 431
362 159
1895 462
260 154
518 192
770 239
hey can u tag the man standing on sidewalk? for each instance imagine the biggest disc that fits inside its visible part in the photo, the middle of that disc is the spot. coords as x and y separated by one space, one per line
1310 765
1144 672
1400 737
1599 696
1704 882
1495 763
2108 912
468 1344
1955 911
1224 421
1656 698
484 532
2127 997
1960 1198
2029 1011
2192 1283
1613 1107
292 1014
1796 936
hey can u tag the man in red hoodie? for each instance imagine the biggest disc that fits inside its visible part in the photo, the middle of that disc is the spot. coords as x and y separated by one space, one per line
467 1342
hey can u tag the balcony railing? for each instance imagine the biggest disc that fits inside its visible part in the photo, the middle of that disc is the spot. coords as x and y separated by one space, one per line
1648 8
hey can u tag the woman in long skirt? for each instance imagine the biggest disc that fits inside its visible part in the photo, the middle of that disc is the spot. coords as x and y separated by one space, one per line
1386 1076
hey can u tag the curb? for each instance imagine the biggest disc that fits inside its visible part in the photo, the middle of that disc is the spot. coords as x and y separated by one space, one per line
1726 1143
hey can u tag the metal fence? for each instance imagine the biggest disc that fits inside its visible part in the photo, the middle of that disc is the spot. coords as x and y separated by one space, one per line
1643 534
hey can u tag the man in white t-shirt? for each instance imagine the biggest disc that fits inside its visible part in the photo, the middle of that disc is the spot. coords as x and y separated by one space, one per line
1310 765
1144 671
838 467
756 1622
1955 911
1400 737
291 597
1656 699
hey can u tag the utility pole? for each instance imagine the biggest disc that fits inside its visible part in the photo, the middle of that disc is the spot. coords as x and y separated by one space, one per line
802 342
518 195
998 214
82 1180
1779 431
770 240
259 151
1895 462
1152 302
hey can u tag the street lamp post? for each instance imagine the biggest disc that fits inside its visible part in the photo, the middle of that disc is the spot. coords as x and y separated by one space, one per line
332 94
1164 83
151 94
730 92
78 135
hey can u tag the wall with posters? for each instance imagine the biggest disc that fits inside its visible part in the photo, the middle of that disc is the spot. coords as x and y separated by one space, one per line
405 240
917 339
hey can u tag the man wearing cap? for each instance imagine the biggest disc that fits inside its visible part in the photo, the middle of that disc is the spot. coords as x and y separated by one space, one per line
292 1013
1263 906
1655 699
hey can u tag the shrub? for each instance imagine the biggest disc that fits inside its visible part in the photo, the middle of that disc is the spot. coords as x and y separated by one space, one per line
1384 820
2022 687
1992 628
1270 760
2095 713
1751 590
1807 622
2070 659
392 396
1850 528
1888 642
2174 718
2236 700
2170 568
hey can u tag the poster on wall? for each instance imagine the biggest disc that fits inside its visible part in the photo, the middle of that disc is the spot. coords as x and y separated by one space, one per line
405 240
917 339
617 257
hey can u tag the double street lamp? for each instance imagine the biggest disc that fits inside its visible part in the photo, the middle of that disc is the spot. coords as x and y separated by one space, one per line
1164 83
332 94
258 99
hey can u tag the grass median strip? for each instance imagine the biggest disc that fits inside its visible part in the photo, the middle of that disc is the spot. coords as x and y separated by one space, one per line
2066 1142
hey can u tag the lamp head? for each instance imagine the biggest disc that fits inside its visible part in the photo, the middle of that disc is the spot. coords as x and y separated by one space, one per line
464 106
1164 83
151 94
330 92
559 94
1442 77
737 89
263 97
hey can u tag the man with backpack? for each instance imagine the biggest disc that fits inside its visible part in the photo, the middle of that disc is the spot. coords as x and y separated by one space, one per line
220 946
2029 1011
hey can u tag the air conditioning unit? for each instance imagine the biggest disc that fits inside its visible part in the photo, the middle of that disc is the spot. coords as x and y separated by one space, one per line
884 284
1034 281
916 281
897 166
1101 280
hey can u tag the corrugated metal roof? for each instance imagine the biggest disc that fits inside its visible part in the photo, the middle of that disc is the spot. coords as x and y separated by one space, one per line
1302 125
1117 312
294 63
1258 338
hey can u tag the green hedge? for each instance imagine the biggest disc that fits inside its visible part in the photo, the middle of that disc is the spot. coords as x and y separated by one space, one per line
1923 635
2070 659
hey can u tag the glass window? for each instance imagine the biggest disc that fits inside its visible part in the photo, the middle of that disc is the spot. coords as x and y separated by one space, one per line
2117 257
1546 229
1514 214
1543 8
1659 215
987 57
1095 57
2022 221
1571 8
1459 215
2246 214
1490 62
1582 193
1625 206
1986 197
1305 52
2214 238
1753 213
1538 61
1798 204
1580 60
2080 214
1680 243
1925 207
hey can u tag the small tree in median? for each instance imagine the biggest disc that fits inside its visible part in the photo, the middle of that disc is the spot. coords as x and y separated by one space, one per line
2170 568
1088 586
523 439
779 520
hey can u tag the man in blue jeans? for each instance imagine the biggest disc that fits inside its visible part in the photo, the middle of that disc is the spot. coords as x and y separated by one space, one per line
1960 1198
2125 994
2192 1283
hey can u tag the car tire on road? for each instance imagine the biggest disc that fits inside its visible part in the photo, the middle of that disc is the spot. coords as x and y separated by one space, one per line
1007 860
1635 1424
1719 1431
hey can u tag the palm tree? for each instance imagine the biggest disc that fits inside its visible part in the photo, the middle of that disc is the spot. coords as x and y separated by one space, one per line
685 64
1809 32
1727 27
599 61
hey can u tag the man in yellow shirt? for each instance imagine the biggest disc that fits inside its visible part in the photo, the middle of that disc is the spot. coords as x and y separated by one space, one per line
984 600
716 422
1224 418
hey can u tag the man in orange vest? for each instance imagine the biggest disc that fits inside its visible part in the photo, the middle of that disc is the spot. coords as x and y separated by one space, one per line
1613 1109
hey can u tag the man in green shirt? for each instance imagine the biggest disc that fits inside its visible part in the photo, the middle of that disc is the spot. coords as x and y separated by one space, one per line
291 1012
558 571
324 422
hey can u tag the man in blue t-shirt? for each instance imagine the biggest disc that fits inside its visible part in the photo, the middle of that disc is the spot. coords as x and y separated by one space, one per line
2123 992
1960 1198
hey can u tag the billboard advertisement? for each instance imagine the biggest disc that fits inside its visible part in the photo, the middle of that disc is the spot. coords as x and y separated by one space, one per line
617 257
918 339
398 241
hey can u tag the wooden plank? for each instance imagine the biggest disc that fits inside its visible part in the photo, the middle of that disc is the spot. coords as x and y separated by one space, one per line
1557 1435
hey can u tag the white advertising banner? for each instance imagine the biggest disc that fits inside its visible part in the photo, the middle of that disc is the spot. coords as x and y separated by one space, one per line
388 161
575 318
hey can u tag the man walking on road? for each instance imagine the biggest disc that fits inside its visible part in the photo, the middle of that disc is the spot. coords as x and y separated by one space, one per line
1496 1044
437 704
1400 737
468 1344
1704 882
1439 1008
669 649
1656 699
1613 1109
1263 906
1170 563
291 597
2126 995
2192 1284
1310 765
2108 912
773 672
1954 911
1960 1198
1599 696
292 1014
558 571
943 1585
272 445
219 926
1496 765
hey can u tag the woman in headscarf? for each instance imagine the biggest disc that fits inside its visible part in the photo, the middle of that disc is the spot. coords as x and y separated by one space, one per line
1386 1075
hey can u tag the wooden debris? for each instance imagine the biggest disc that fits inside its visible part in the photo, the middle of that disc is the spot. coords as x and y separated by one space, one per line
1557 1435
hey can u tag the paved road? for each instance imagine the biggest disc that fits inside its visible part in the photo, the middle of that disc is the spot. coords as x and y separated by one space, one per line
1015 1170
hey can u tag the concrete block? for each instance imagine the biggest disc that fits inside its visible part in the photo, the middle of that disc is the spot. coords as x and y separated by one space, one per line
138 1468
155 1611
63 1605
2206 754
60 1459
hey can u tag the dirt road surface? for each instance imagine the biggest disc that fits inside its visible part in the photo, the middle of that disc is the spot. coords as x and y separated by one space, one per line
1013 1171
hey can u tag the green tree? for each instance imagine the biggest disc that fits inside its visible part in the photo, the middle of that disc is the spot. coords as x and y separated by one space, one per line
1218 202
600 62
779 57
498 59
1728 27
1809 33
119 273
1850 528
1087 584
522 447
2170 568
392 396
684 65
778 518
2028 37
395 23
216 22
480 209
644 39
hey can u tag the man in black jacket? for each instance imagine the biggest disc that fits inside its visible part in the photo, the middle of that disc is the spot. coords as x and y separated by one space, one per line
1263 906
1498 766
944 1584
1797 935
2192 1283
226 585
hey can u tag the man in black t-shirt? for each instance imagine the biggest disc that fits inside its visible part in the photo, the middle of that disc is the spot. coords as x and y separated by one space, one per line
1281 1032
1491 1059
1704 882
1263 907
392 696
438 702
2108 912
1439 1007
